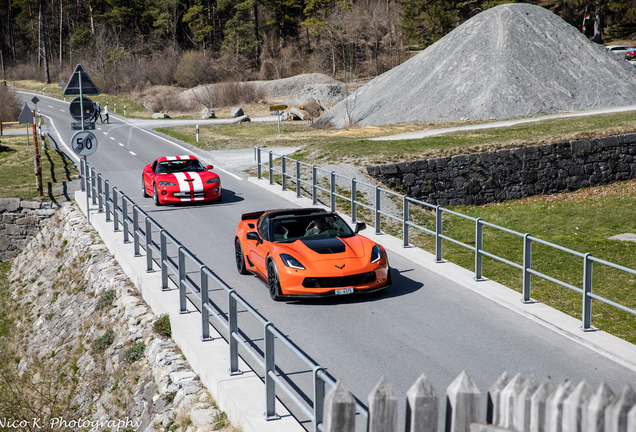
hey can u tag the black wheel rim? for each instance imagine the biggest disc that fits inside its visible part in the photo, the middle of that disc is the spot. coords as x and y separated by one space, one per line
271 278
239 255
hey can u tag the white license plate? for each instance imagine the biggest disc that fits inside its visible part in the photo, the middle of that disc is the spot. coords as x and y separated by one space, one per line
182 194
344 291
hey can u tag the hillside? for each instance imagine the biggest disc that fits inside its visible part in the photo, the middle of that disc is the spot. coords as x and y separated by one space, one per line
509 61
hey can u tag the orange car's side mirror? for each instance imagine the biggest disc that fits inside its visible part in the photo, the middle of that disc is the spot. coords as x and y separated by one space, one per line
251 235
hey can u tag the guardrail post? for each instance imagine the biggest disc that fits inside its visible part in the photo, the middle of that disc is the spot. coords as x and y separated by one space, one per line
124 218
271 168
405 221
319 397
479 245
354 199
107 199
100 193
149 263
258 163
83 174
587 290
314 190
183 305
270 369
298 185
115 209
527 265
438 234
164 260
284 170
205 313
93 185
332 190
136 230
378 216
232 317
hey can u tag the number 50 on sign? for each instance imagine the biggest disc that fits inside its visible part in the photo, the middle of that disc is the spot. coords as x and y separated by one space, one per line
84 143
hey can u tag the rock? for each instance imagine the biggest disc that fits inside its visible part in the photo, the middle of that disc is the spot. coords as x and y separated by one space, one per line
301 115
242 119
9 204
236 112
207 113
322 93
160 116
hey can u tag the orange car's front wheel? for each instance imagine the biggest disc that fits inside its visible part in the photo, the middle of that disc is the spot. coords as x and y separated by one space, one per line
273 282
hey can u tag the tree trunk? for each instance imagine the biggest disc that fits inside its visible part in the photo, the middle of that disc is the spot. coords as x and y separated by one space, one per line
2 54
40 36
47 75
598 25
10 27
257 36
61 29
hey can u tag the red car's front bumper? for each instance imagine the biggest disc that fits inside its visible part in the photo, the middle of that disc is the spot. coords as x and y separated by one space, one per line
171 195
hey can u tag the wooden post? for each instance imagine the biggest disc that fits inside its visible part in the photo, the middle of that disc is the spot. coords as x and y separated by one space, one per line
507 399
383 408
38 162
493 405
574 407
339 410
523 405
421 406
538 405
616 412
554 407
462 404
594 417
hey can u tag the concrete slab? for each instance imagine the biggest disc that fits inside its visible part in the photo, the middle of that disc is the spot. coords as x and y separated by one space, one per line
242 397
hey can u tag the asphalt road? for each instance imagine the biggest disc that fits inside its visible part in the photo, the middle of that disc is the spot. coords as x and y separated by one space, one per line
423 324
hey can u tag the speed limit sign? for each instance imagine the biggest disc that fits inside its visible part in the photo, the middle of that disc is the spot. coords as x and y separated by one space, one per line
84 143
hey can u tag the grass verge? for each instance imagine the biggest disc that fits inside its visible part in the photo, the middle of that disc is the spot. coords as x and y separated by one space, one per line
17 178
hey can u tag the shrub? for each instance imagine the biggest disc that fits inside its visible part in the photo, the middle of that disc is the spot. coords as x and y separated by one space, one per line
104 341
162 325
135 352
9 105
105 300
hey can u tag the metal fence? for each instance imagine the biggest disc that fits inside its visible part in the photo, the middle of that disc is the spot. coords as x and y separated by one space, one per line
185 271
326 182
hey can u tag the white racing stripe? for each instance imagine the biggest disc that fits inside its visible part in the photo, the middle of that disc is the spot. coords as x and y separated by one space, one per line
197 184
184 186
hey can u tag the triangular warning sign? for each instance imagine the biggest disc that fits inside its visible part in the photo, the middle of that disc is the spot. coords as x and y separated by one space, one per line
80 77
26 116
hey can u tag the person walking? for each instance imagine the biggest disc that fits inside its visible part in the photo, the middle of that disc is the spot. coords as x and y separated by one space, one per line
106 113
98 112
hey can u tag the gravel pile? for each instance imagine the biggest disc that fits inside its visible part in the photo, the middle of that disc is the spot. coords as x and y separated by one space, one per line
326 94
509 61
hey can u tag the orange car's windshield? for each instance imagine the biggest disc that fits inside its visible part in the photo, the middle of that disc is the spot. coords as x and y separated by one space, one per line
292 228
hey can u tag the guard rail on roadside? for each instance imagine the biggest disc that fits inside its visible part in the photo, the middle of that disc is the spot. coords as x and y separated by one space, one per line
280 164
160 246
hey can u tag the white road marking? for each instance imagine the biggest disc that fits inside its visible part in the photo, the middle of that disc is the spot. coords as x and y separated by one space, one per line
132 153
229 173
112 138
121 144
51 106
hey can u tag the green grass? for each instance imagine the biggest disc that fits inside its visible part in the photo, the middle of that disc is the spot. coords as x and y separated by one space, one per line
17 178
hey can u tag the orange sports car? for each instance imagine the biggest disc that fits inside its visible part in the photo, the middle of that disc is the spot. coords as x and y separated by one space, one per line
309 253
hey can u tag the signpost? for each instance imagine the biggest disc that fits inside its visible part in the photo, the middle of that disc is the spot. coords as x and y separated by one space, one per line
78 106
84 143
278 109
26 118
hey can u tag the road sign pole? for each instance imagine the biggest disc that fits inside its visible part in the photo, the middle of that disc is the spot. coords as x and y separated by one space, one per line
86 176
278 116
81 95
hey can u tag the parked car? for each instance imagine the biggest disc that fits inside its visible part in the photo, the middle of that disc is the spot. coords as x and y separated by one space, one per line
630 54
309 253
617 49
178 179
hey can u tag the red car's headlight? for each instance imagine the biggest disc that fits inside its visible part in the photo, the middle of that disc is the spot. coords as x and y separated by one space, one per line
166 183
212 180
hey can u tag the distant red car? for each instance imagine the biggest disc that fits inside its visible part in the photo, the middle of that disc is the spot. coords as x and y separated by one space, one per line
178 179
630 54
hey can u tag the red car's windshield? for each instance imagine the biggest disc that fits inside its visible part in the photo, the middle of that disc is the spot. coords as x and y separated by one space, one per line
175 166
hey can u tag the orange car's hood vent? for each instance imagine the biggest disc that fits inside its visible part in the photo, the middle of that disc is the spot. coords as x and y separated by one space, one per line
331 245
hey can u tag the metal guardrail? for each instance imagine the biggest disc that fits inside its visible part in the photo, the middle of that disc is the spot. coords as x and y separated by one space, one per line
160 246
353 198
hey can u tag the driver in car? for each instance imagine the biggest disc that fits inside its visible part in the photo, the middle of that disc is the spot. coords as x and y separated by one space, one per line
317 227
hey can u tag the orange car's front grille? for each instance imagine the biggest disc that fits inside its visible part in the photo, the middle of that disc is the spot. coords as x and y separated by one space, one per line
341 281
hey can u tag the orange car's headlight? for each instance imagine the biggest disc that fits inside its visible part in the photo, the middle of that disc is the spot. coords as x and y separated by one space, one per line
376 254
291 262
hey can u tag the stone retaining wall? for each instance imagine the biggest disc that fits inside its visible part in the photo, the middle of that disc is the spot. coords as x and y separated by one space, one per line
479 178
20 221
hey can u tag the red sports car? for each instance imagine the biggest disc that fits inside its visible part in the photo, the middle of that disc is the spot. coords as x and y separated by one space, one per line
177 179
309 253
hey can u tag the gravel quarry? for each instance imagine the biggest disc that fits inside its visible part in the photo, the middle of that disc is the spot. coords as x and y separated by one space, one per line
514 60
